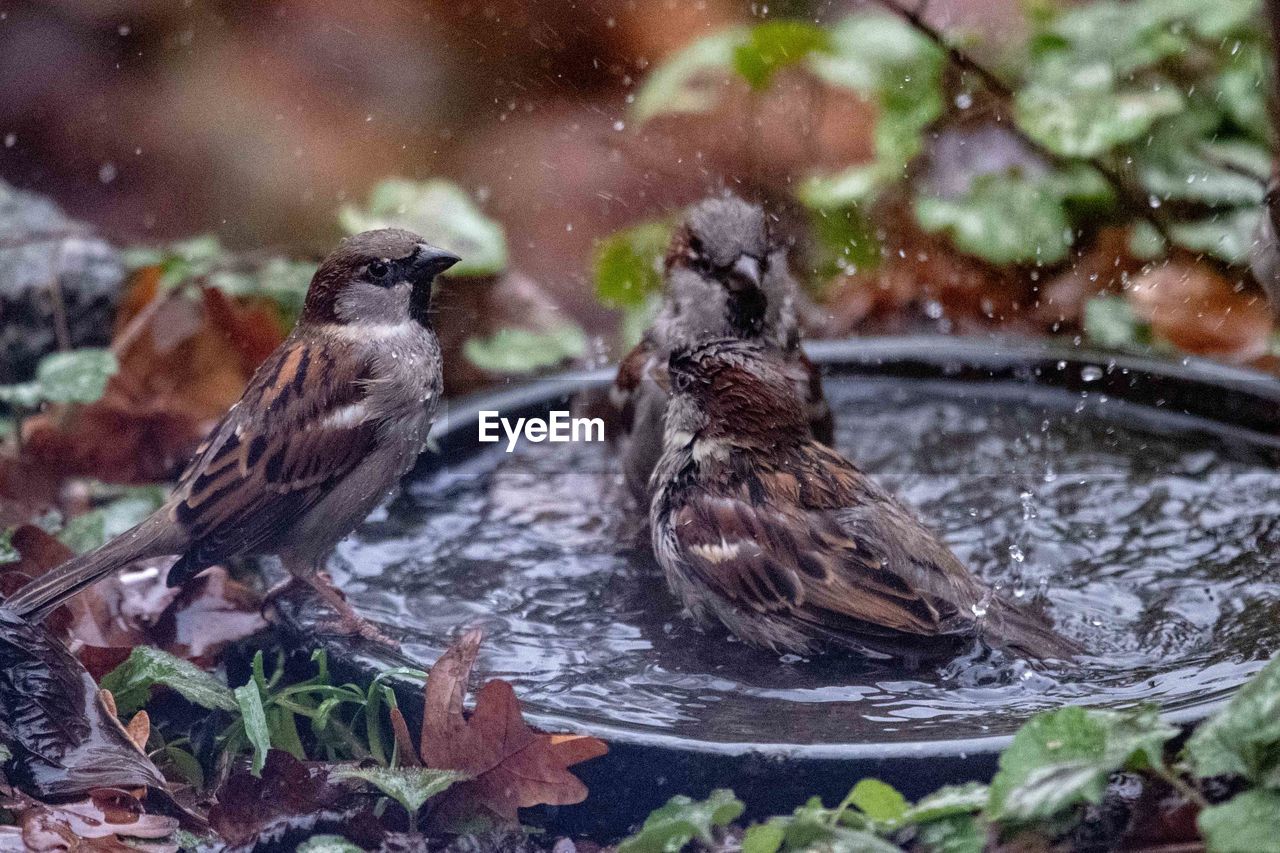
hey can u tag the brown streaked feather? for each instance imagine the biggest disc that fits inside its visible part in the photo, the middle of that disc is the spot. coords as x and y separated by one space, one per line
274 454
797 556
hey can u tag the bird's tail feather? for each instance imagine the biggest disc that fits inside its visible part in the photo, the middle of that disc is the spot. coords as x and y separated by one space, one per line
34 600
1028 633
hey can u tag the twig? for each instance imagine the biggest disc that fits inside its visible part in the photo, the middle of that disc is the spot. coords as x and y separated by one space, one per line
143 318
57 304
962 59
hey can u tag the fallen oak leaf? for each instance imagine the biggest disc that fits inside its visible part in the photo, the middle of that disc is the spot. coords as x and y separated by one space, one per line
109 819
513 765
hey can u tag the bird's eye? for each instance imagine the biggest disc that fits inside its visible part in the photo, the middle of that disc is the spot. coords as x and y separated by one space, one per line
378 269
681 381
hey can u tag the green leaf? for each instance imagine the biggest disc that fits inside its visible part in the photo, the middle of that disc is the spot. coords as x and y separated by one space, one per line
878 801
1110 321
628 264
281 280
130 683
8 553
1247 823
408 786
443 214
1243 739
1240 90
869 52
77 376
328 844
682 820
1184 160
949 801
955 834
690 80
5 754
186 765
1078 111
1002 219
1228 236
775 45
855 185
525 351
844 242
1063 758
91 529
249 700
764 837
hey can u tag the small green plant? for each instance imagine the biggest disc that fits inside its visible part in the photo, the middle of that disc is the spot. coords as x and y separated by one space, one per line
1058 763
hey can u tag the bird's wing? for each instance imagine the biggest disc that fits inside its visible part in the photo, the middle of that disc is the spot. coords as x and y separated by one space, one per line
797 553
302 424
631 373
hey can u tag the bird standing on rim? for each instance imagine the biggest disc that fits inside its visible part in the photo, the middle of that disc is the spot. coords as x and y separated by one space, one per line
791 547
326 427
725 277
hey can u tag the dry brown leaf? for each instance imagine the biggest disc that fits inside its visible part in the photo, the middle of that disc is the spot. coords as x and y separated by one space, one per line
177 375
514 766
97 824
139 729
1197 310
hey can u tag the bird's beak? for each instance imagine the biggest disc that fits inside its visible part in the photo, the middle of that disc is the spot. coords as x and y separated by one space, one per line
747 270
431 261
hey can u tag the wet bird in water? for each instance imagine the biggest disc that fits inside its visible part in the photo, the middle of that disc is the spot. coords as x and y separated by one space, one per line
327 426
791 547
725 277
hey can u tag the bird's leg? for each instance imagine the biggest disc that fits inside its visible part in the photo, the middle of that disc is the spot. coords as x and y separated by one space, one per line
349 623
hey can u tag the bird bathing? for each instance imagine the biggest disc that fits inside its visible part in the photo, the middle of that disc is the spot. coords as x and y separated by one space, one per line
1137 500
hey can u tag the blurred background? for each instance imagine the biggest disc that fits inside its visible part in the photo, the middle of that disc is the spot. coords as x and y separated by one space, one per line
157 119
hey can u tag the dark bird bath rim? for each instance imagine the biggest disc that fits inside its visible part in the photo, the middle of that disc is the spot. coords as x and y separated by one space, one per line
1232 402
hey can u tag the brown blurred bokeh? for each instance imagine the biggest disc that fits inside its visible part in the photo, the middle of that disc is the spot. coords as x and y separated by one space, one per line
255 120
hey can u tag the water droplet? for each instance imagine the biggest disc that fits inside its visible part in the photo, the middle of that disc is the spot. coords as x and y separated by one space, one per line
107 172
10 139
619 125
1091 373
964 100
124 30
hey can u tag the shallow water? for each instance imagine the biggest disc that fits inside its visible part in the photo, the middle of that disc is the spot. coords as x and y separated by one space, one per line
1144 536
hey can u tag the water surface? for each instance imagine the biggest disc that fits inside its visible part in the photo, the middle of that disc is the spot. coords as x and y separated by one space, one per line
1149 538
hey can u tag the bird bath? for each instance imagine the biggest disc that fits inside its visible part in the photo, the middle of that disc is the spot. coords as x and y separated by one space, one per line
1137 499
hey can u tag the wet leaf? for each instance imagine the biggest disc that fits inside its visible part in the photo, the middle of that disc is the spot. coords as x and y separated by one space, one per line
1062 758
249 700
1110 321
949 801
408 786
63 740
131 682
853 186
1247 823
1227 236
878 801
289 799
1079 111
628 264
525 351
690 80
1186 160
1243 739
328 844
1002 219
682 820
775 45
1199 311
107 820
513 765
764 838
8 553
445 216
78 376
955 834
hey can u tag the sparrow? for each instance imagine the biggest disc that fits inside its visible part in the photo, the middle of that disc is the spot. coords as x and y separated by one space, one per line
326 427
786 543
725 276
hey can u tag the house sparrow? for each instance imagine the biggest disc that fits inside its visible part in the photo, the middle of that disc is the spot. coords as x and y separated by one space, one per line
788 544
326 427
725 277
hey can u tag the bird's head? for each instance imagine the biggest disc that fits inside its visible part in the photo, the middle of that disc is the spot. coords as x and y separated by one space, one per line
381 277
720 259
736 390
